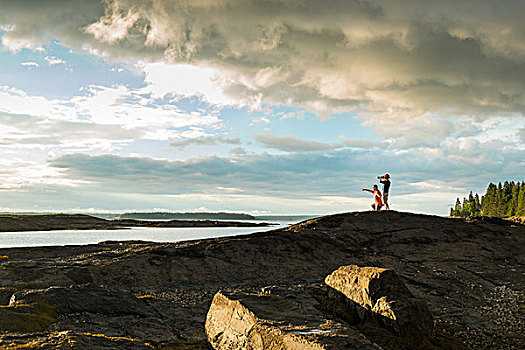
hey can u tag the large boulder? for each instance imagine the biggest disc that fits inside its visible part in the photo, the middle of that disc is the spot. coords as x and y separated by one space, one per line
379 293
251 321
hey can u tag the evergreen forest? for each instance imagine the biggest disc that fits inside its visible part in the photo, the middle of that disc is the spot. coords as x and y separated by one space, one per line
502 200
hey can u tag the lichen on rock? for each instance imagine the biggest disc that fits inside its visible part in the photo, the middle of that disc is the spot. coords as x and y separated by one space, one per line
34 315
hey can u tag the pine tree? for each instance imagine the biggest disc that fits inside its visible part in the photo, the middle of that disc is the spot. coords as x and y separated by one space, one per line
471 206
512 206
488 206
505 199
477 205
521 201
500 203
457 208
464 210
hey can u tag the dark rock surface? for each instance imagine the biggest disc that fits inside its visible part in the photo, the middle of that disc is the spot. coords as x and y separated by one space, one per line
86 299
47 222
470 274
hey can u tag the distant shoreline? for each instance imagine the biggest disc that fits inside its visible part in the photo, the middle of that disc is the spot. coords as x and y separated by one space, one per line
52 222
177 216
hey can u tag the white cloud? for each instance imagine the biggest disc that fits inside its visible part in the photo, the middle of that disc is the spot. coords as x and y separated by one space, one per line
16 101
52 60
107 114
260 120
501 129
294 114
184 80
114 26
19 173
229 189
15 44
130 109
30 64
434 185
408 132
214 85
268 76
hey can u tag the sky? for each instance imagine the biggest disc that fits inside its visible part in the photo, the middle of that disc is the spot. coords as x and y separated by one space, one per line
264 107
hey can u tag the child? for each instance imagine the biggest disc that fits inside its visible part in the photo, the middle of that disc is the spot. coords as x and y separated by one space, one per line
377 197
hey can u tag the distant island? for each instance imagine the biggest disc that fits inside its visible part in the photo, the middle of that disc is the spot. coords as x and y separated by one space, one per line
156 215
503 200
203 216
187 216
50 222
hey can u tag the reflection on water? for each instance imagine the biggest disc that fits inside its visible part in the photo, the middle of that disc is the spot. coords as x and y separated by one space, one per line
153 234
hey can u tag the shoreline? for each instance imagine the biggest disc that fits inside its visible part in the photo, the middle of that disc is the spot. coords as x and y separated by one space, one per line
59 222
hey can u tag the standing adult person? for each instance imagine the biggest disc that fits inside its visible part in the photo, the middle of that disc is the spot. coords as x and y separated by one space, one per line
385 180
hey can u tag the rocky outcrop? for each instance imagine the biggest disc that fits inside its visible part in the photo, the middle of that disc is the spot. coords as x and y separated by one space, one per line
254 321
471 276
370 300
380 293
85 299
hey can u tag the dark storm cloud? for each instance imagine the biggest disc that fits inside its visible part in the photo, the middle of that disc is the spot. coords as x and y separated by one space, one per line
392 60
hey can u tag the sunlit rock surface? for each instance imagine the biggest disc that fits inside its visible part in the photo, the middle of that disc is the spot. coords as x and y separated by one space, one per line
257 321
382 293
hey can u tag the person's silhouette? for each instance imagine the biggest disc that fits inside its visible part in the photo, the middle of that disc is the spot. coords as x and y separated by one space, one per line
385 180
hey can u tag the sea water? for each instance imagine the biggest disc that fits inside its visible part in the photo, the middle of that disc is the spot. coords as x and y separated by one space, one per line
152 234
